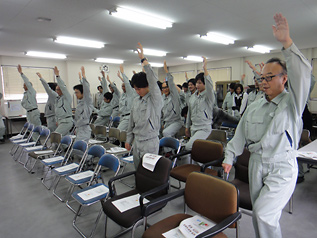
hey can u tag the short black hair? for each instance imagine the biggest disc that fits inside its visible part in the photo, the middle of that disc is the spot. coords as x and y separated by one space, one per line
185 85
192 80
200 77
139 80
280 62
238 85
99 87
79 87
108 96
52 86
160 84
184 111
232 85
180 86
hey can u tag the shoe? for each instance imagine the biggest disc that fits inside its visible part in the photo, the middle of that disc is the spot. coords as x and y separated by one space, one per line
300 179
2 141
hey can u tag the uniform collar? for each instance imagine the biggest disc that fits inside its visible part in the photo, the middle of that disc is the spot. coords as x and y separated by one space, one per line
278 98
145 96
200 94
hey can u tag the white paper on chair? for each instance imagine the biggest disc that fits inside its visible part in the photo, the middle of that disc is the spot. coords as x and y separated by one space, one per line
20 141
118 149
38 147
128 203
49 160
43 152
82 175
92 141
28 144
307 154
128 159
150 160
94 192
67 167
190 227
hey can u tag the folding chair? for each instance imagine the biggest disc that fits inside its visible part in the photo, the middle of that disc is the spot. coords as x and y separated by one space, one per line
107 161
149 185
21 134
218 136
57 158
114 122
100 133
171 144
25 139
208 196
77 179
113 135
66 169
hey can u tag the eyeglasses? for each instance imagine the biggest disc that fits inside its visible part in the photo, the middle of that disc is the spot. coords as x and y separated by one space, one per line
165 87
269 78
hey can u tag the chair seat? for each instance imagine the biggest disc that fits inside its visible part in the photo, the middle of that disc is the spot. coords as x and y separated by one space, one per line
19 141
83 202
167 224
27 144
245 199
67 169
181 172
80 178
42 154
33 148
128 159
17 137
51 161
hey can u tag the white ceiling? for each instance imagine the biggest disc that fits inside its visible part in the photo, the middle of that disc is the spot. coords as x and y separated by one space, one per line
249 21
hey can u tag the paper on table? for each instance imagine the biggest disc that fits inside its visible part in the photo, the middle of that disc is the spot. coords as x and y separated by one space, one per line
82 175
43 152
94 192
150 160
128 203
67 167
307 154
49 160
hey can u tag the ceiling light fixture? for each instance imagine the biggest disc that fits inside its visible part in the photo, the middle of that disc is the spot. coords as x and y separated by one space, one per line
140 17
152 52
218 38
45 55
79 42
156 65
193 58
108 60
259 49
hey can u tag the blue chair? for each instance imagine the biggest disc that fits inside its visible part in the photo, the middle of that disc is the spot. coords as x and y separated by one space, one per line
108 161
171 144
66 169
25 139
114 122
21 134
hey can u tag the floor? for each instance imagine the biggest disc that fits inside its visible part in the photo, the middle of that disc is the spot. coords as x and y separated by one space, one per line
28 209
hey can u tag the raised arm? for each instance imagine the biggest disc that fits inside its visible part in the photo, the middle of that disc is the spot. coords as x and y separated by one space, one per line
115 89
26 81
210 95
86 87
47 88
171 85
62 85
129 90
104 83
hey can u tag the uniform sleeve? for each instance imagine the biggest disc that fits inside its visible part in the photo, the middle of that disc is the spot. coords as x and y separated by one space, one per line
173 90
156 95
129 90
188 118
63 88
86 91
105 111
28 85
48 90
210 95
115 89
130 135
256 75
104 85
299 77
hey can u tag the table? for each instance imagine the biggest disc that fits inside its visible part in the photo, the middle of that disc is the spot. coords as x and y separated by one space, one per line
312 146
8 123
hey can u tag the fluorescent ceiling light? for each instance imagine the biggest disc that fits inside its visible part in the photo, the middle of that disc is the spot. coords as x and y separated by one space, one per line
140 17
79 42
157 65
108 60
45 55
194 58
152 52
260 49
218 38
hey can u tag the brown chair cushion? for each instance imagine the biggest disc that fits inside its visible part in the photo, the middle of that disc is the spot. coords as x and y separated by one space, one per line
167 224
204 151
245 199
181 172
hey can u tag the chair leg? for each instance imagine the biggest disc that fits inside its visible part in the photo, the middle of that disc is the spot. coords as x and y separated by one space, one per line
290 203
54 190
238 229
45 178
21 156
68 196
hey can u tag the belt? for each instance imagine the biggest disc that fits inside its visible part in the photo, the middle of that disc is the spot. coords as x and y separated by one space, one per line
32 110
115 107
125 115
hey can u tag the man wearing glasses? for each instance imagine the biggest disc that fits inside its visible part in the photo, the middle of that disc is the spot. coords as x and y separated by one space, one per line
270 129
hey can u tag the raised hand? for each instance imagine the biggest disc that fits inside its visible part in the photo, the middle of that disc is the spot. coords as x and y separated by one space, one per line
99 78
281 30
121 68
140 50
133 72
186 76
103 73
83 71
38 74
250 65
165 67
108 79
79 76
19 69
119 75
56 71
205 66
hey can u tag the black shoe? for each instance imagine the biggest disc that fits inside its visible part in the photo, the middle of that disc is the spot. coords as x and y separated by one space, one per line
300 179
2 141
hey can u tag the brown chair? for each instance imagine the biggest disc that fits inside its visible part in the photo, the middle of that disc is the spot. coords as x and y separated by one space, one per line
100 133
209 196
206 152
218 135
149 184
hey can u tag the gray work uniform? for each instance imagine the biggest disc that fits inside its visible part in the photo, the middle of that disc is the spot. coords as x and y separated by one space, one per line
188 94
125 104
271 131
255 95
99 99
115 99
2 126
182 97
63 109
171 111
29 103
104 114
200 113
50 107
144 123
83 112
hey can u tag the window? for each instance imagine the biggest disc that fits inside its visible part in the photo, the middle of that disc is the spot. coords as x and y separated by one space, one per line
12 83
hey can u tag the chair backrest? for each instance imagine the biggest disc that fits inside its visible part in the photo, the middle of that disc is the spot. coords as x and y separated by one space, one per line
38 129
24 128
66 140
44 135
218 135
241 167
204 151
36 133
110 161
80 145
56 138
100 131
114 133
211 197
181 133
305 138
116 120
146 180
96 151
170 142
123 136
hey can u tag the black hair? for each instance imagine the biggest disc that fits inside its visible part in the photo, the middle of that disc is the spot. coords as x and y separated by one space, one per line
200 77
99 87
108 96
185 85
52 86
139 80
159 83
232 85
184 111
238 85
180 86
79 87
280 62
192 80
